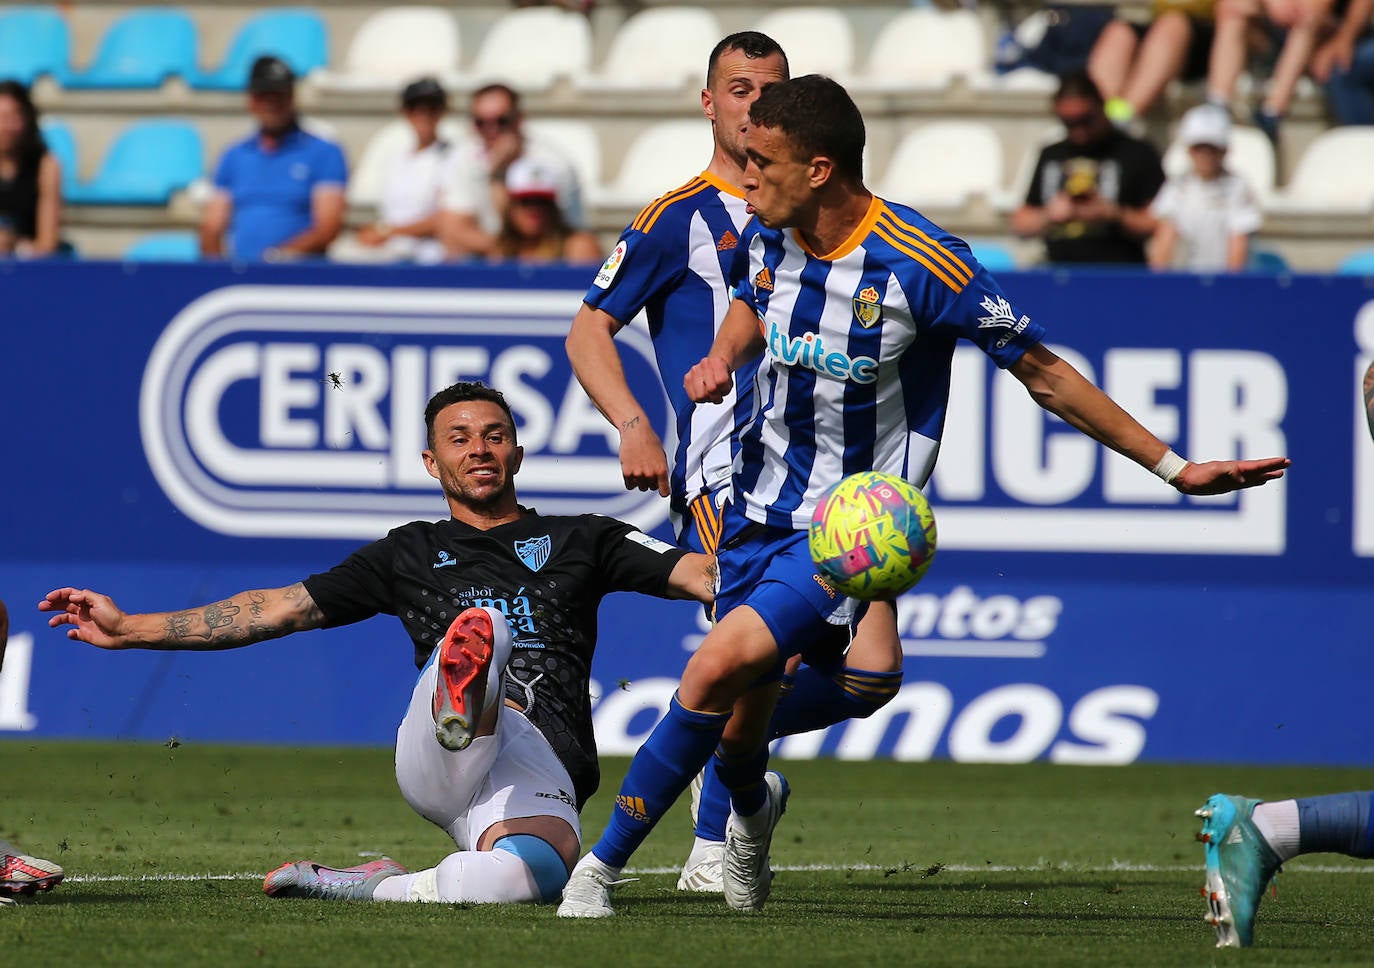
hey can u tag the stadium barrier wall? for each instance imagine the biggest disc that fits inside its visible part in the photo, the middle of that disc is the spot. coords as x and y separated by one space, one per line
174 434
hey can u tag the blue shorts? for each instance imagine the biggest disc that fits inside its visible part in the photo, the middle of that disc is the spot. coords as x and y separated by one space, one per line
770 570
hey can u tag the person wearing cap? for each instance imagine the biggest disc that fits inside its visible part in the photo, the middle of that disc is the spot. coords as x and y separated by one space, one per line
1206 215
533 228
412 182
1089 197
279 193
475 188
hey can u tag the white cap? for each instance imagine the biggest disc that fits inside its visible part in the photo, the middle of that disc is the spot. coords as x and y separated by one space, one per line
1205 124
525 179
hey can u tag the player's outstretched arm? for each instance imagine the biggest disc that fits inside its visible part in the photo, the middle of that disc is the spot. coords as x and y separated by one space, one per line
1064 392
596 361
738 341
248 617
694 576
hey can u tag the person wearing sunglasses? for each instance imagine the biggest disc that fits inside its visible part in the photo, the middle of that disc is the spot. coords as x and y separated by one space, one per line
1090 195
475 199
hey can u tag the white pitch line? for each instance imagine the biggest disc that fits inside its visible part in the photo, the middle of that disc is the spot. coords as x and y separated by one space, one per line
904 867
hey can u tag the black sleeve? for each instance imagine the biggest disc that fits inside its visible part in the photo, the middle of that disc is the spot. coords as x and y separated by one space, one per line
1143 177
631 560
1034 196
358 587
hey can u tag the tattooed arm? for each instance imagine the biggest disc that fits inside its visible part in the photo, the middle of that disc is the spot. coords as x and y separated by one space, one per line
246 618
694 576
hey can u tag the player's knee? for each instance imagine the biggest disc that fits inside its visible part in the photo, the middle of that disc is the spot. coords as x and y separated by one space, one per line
545 865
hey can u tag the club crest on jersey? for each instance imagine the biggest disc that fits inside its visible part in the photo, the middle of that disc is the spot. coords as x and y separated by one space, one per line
763 279
534 552
868 308
606 275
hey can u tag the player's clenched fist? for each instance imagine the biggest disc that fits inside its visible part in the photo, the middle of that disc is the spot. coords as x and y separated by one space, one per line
709 381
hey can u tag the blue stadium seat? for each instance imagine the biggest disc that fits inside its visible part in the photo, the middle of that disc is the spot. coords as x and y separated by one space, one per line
164 247
1360 263
994 256
298 36
147 163
34 41
1266 260
141 50
62 144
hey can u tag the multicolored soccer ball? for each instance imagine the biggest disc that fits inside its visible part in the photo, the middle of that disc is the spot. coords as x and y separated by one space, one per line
873 535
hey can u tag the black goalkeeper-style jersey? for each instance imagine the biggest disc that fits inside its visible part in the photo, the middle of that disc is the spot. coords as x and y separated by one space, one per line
546 574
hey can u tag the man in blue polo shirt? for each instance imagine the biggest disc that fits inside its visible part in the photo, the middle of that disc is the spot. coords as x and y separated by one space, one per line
279 193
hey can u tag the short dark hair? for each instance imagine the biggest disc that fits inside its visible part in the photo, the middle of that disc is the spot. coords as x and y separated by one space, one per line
1078 84
499 88
818 116
753 44
462 392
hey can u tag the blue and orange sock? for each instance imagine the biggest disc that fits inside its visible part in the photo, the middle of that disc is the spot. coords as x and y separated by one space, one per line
675 751
818 698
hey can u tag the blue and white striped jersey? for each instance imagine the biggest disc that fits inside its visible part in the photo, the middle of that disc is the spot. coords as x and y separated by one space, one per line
860 341
672 262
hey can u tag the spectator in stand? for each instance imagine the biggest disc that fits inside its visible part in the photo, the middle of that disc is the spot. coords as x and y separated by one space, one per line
1090 195
475 192
533 228
1293 26
30 179
1132 63
279 193
1206 217
408 225
1345 64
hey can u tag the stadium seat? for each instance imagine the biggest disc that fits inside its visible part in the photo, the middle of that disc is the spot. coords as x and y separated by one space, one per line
396 45
296 35
1360 263
1266 260
817 40
34 41
365 181
942 165
993 256
661 48
662 157
1333 176
577 141
553 43
141 50
147 163
62 143
164 247
1251 156
924 48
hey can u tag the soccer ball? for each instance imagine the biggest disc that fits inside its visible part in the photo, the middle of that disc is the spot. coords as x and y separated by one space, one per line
872 535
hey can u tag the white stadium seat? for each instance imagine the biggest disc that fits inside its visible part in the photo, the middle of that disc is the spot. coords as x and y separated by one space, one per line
924 49
530 49
817 40
663 156
1334 175
576 141
397 45
942 165
1250 155
662 48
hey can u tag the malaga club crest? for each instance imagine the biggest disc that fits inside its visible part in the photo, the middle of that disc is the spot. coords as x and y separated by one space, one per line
868 309
534 552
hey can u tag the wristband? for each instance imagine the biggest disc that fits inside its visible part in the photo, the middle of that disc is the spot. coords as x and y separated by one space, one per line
1169 467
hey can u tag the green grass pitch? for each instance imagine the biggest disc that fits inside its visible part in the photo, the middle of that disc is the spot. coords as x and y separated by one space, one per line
878 863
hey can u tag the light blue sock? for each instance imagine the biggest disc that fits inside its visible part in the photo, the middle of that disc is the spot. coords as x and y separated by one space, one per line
675 752
1341 823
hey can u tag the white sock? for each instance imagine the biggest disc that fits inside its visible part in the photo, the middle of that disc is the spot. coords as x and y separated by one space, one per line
1277 823
475 876
754 825
700 850
597 864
